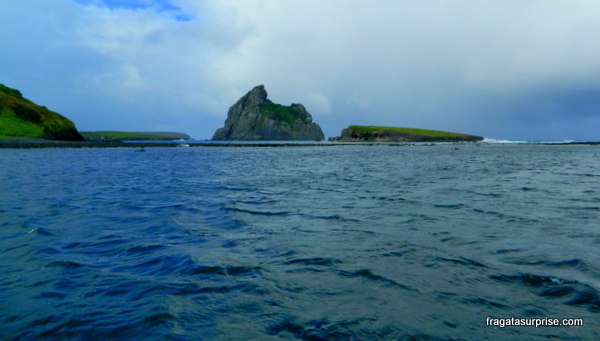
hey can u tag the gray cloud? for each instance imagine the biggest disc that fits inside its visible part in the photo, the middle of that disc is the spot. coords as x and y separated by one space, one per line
501 69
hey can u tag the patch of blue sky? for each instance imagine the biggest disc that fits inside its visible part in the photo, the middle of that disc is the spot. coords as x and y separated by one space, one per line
159 6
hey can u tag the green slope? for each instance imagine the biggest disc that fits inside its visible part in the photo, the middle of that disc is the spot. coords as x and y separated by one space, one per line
378 133
21 117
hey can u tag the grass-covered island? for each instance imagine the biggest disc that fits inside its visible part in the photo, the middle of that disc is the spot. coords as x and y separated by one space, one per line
20 117
133 136
357 133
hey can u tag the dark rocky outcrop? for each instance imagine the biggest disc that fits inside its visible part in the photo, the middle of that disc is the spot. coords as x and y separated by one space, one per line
254 117
395 134
21 117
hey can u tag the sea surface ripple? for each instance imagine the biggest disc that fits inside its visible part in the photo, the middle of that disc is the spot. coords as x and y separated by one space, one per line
340 243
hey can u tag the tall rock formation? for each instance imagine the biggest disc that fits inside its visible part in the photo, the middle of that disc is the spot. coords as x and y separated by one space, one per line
254 117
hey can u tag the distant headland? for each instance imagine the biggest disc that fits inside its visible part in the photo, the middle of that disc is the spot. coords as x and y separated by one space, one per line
108 136
21 117
255 118
357 133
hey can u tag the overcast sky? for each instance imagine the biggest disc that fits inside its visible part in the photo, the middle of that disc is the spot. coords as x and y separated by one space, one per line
503 69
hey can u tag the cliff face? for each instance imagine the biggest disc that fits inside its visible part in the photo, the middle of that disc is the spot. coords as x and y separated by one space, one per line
21 117
254 117
394 134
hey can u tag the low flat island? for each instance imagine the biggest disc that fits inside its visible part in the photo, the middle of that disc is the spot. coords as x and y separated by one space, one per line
105 136
357 133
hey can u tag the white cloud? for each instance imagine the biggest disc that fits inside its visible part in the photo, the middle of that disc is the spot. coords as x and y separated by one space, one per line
453 65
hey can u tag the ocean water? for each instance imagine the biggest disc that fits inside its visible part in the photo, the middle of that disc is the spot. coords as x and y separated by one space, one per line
362 242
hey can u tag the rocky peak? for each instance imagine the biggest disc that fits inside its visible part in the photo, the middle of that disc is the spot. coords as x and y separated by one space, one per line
256 96
254 117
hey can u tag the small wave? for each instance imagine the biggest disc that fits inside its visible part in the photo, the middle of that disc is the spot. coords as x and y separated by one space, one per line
144 249
350 329
49 251
201 270
584 208
576 293
51 295
64 264
158 319
195 289
581 295
335 217
41 231
494 141
502 251
241 270
492 213
571 263
587 297
482 302
367 274
530 279
452 206
222 271
462 261
315 261
121 290
557 291
161 265
388 199
268 213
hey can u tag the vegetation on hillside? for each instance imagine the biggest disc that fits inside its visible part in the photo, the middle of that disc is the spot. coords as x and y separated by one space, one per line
282 113
10 91
414 131
21 117
11 125
357 133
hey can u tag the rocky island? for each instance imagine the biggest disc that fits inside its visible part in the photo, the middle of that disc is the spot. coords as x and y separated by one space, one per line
20 117
393 134
255 118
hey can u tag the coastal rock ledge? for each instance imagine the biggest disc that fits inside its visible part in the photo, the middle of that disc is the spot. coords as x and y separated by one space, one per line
255 118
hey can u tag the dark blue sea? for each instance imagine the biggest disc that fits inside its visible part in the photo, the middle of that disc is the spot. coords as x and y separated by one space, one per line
349 242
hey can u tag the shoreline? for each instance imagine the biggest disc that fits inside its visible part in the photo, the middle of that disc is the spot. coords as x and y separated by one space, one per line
36 143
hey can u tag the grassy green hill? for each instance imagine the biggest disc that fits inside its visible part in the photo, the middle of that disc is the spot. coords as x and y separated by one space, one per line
21 117
357 133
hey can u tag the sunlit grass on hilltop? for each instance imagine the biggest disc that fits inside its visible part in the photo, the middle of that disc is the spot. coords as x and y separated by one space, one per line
11 126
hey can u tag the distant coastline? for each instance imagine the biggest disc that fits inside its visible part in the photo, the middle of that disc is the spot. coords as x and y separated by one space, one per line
34 143
104 136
